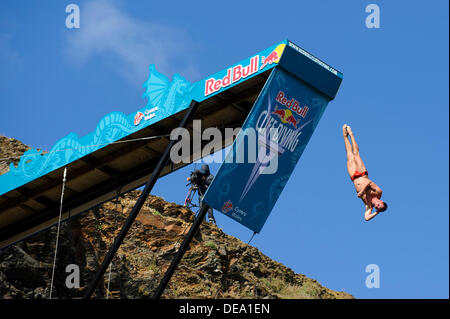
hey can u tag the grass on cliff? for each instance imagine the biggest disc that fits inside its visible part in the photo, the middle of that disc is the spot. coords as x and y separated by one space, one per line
156 213
286 290
211 245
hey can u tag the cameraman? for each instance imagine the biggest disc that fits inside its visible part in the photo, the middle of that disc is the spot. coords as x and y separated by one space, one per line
203 179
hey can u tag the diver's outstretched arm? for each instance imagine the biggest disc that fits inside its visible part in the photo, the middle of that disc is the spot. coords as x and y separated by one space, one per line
368 215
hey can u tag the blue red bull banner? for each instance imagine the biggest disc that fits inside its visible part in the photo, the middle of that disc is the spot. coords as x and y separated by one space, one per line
281 122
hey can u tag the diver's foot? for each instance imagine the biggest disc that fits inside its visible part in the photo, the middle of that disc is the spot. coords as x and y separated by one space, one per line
349 130
344 130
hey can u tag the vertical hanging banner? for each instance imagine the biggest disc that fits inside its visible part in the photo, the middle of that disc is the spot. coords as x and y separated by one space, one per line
273 138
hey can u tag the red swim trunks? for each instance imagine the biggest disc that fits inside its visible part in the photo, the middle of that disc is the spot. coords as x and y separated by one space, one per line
358 174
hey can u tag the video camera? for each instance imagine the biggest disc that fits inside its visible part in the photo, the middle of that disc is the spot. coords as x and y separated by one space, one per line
196 178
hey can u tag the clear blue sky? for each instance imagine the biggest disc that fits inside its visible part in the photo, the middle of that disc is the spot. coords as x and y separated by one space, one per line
54 81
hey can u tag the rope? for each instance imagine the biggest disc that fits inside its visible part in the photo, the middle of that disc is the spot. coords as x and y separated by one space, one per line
242 254
109 280
57 233
254 233
94 145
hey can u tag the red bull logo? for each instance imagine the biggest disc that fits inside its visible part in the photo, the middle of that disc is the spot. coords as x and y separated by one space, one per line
138 118
281 113
227 206
234 74
291 104
239 72
271 58
291 120
286 116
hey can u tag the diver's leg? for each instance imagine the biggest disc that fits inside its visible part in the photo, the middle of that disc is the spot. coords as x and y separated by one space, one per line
357 157
351 167
355 147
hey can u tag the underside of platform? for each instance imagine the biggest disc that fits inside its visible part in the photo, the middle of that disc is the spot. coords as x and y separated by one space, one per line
116 168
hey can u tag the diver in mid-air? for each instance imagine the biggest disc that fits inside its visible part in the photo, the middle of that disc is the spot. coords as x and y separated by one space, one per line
367 190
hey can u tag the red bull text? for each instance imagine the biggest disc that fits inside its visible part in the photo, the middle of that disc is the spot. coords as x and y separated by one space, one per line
240 72
234 74
291 104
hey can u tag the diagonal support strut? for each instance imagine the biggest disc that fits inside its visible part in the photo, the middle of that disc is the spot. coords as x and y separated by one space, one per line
140 202
184 246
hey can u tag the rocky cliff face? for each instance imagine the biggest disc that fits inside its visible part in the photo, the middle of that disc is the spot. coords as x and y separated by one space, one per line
10 150
215 266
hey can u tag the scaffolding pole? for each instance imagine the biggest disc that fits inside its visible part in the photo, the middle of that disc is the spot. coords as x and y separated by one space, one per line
140 202
184 246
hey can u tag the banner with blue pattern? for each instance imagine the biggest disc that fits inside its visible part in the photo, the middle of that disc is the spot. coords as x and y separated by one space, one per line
281 122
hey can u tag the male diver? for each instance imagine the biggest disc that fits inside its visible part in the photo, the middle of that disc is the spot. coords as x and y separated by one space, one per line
367 190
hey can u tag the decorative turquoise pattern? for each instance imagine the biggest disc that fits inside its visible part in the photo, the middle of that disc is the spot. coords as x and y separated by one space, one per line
168 98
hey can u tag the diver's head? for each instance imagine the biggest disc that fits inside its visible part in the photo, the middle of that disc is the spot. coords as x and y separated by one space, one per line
379 205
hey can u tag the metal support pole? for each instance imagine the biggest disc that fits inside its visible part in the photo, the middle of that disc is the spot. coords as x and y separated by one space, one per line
137 207
184 246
